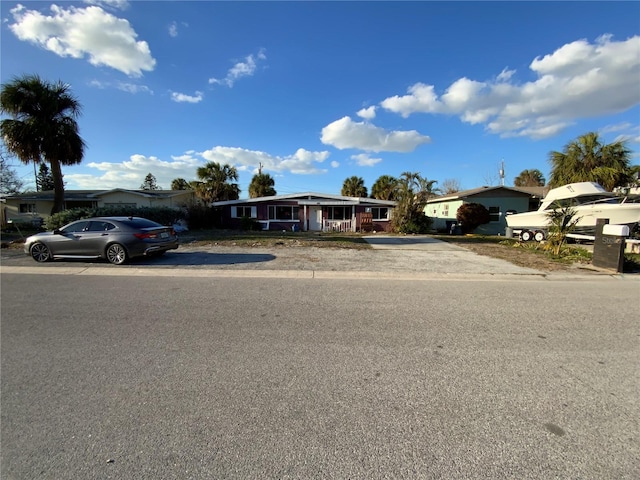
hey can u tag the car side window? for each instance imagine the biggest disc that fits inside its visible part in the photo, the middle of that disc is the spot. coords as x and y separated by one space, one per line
76 227
100 226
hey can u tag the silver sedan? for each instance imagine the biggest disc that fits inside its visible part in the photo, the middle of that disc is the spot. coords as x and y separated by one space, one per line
116 239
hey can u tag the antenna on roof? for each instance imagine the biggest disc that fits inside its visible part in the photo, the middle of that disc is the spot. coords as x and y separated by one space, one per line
501 172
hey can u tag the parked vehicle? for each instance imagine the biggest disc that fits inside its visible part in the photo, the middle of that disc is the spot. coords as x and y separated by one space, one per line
116 239
590 202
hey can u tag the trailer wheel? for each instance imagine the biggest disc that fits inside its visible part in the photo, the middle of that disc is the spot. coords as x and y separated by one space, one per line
526 236
539 236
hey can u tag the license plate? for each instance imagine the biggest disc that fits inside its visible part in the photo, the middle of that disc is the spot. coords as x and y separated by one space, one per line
164 235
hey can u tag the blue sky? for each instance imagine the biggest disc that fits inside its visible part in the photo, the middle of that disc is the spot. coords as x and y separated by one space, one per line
317 92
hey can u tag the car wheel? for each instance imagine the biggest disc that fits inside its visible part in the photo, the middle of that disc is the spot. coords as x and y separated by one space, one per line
538 236
116 254
40 252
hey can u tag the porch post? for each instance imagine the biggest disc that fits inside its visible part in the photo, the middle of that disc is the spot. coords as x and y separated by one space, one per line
353 218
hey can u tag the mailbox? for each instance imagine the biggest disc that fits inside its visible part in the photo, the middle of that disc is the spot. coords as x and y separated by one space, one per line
608 248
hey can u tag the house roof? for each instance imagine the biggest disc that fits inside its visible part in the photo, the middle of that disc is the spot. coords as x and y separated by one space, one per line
90 194
309 198
464 194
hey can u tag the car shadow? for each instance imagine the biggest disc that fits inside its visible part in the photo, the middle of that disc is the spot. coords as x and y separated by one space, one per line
178 259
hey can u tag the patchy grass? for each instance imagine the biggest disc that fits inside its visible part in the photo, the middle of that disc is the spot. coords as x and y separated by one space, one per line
273 239
523 254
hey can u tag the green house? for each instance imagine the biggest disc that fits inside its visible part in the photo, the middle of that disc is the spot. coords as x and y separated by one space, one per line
498 200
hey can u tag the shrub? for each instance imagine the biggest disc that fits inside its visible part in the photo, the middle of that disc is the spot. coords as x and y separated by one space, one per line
247 223
471 215
200 217
162 215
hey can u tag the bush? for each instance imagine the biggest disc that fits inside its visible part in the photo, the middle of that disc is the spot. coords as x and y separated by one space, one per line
162 215
471 215
200 217
247 223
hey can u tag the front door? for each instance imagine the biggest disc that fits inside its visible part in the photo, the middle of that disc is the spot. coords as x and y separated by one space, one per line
315 219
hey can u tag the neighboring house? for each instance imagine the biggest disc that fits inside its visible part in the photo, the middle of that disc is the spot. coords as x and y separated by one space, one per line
309 212
36 206
498 200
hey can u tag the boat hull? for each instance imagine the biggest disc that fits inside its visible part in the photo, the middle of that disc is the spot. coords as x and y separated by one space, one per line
587 215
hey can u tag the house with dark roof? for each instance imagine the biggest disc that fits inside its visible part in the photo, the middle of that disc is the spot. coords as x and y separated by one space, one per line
36 206
499 200
309 212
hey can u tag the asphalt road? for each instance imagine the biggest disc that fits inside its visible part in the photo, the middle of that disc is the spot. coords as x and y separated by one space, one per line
195 376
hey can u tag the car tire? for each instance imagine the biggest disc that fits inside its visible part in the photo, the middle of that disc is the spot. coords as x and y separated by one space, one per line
116 254
40 252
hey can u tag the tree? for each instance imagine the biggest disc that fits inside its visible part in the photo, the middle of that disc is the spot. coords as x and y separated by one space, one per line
450 185
563 221
471 215
215 183
529 178
587 159
150 183
354 187
261 186
42 127
44 179
385 188
180 184
10 183
413 192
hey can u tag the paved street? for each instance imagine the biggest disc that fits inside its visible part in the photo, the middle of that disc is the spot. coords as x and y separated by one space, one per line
205 376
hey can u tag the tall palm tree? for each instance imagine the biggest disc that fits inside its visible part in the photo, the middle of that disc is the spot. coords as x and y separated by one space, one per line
261 186
529 178
385 188
354 187
215 183
42 127
180 184
587 159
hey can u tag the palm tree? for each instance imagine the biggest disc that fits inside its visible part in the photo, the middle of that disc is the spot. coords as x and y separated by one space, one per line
214 184
413 193
529 178
42 127
180 184
587 159
261 186
385 188
354 187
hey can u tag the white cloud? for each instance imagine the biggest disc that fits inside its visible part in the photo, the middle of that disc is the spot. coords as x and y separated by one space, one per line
302 162
113 4
578 80
130 174
85 32
345 133
241 69
368 113
173 29
364 160
335 164
182 97
124 86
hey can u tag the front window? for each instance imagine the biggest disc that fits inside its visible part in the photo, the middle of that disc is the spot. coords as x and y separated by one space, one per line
284 212
338 213
494 214
27 208
244 211
380 213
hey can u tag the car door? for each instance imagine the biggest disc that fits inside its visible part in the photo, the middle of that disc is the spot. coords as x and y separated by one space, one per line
95 237
68 240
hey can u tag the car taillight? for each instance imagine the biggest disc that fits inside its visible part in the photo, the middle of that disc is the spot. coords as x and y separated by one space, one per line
142 236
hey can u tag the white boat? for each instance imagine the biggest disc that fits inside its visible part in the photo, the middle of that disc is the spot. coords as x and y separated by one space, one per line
590 202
